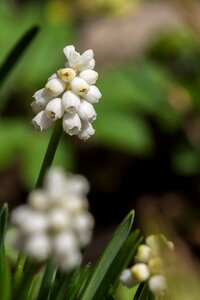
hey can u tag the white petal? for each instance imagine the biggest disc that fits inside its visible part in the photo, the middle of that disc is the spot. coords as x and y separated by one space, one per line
42 97
71 123
76 205
55 109
38 200
68 262
87 66
83 222
86 111
20 214
86 131
66 74
78 185
144 253
55 182
38 246
65 242
140 272
35 107
71 101
28 220
67 50
90 76
93 95
87 55
55 86
74 58
158 285
79 86
58 219
41 122
53 76
126 278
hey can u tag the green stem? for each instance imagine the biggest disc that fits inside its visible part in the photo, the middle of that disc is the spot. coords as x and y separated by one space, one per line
50 152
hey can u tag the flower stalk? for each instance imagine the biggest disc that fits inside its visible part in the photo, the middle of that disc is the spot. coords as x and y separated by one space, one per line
50 152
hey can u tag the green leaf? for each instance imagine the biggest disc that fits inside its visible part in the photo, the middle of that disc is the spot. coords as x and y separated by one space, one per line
108 257
142 292
5 278
3 223
15 54
83 277
123 259
47 281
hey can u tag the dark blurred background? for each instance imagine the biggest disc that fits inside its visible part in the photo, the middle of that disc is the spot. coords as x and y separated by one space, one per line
145 154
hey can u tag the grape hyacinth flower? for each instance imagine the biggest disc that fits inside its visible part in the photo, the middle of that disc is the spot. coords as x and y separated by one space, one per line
69 94
149 265
55 223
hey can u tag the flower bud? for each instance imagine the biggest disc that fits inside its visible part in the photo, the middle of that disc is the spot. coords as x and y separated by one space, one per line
38 246
144 253
35 107
66 74
65 242
71 101
87 55
86 111
89 65
156 265
79 86
90 76
42 97
58 220
69 262
41 122
93 95
55 109
55 86
38 200
157 285
140 272
67 50
126 278
74 58
53 76
71 123
86 131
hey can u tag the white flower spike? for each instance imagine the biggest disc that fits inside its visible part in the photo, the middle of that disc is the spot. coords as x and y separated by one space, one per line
149 265
55 222
69 94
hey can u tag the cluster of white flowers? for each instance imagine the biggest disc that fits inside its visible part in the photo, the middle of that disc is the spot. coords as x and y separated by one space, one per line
149 265
55 222
69 94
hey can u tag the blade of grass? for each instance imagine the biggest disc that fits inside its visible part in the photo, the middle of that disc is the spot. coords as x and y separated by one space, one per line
107 258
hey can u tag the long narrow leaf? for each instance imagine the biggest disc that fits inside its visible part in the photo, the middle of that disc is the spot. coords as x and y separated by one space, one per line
47 281
107 258
3 223
123 259
5 278
80 283
15 55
